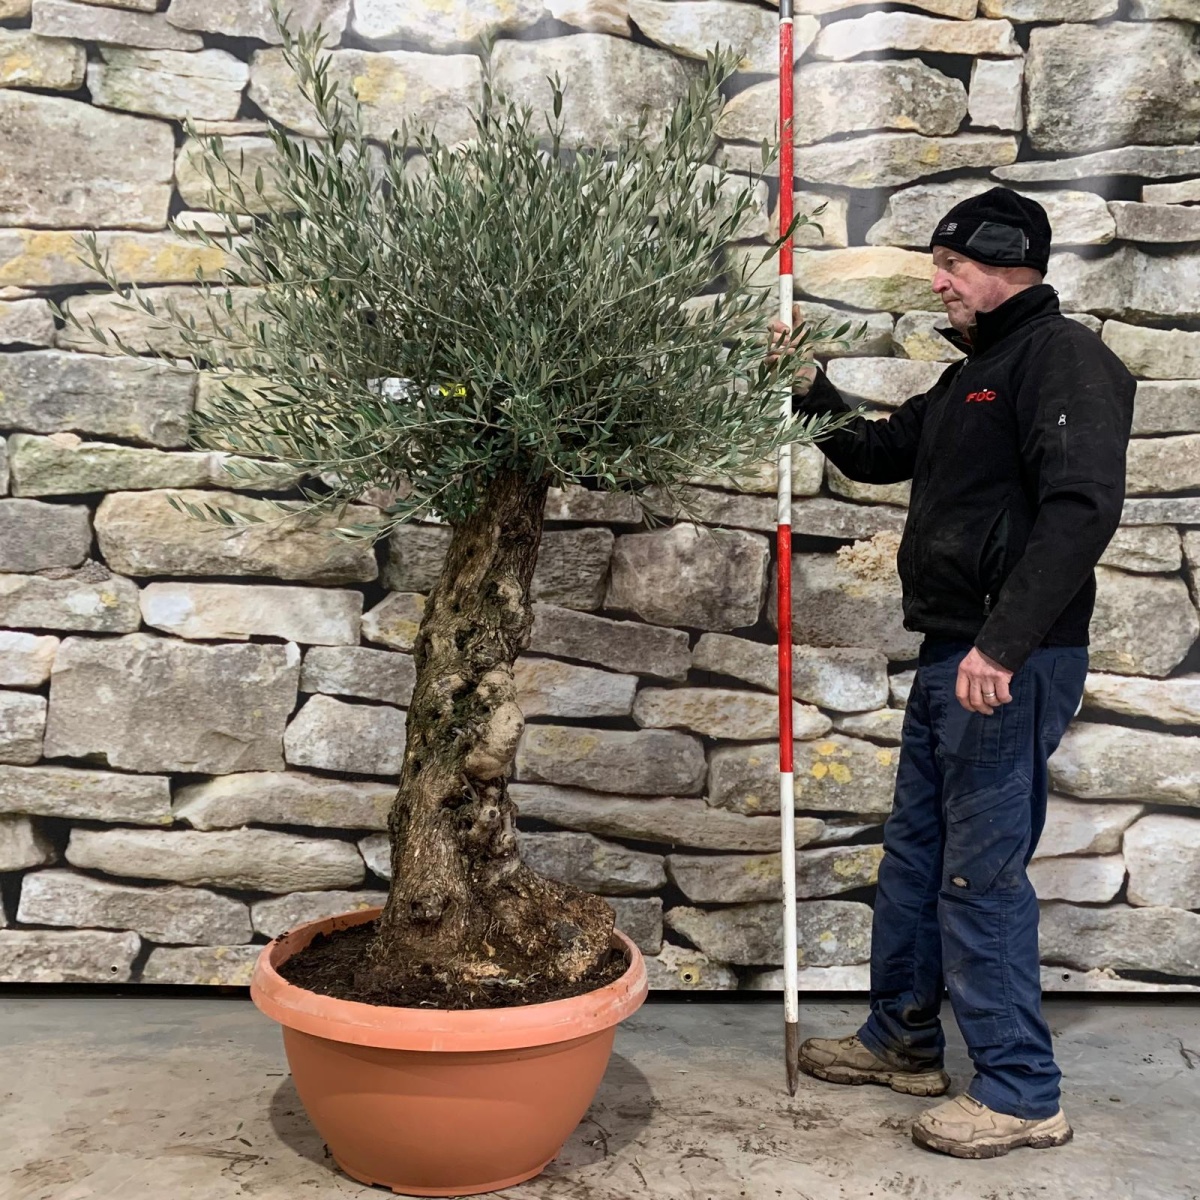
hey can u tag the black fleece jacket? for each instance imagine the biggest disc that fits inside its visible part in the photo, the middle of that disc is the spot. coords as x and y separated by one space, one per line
1017 457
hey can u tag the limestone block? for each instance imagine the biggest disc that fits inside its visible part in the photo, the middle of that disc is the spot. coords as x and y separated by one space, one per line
662 820
1165 701
724 713
547 688
742 878
48 391
83 956
215 966
253 162
171 706
440 26
415 554
150 31
1163 464
870 333
25 658
22 843
72 792
159 914
882 31
1167 406
1151 162
1144 549
690 28
682 969
686 575
376 854
281 913
1103 979
883 725
579 505
592 864
27 60
886 381
896 494
1164 940
395 620
142 534
838 774
1155 222
813 979
358 671
850 98
1073 827
866 277
252 18
1126 606
395 88
35 536
640 918
1185 191
259 860
90 599
1156 103
963 10
26 322
838 678
650 762
284 798
137 5
900 686
1173 511
169 83
1111 762
762 478
994 100
12 9
1094 880
333 735
592 16
64 464
1163 855
1128 284
625 646
22 725
828 932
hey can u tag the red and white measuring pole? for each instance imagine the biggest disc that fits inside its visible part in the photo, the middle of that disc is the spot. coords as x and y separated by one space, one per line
791 996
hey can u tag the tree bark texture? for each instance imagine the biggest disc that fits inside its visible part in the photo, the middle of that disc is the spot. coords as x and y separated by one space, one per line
462 905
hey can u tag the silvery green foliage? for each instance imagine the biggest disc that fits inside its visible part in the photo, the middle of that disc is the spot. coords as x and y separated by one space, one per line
514 304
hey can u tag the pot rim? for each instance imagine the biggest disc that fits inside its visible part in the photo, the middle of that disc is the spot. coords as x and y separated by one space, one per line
432 1029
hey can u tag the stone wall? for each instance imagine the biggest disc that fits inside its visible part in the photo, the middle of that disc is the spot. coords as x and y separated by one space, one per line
198 734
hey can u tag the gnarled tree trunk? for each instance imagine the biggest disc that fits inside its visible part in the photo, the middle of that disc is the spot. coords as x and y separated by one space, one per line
462 905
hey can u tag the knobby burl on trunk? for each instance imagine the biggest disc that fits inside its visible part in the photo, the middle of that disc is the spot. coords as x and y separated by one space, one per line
462 903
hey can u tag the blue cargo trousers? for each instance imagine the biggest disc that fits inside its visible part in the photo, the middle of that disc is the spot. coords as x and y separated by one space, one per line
955 907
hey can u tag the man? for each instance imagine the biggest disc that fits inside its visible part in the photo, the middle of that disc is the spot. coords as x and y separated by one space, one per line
1017 457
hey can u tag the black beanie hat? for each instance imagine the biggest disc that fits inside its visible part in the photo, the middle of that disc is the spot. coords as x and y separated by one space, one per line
1000 228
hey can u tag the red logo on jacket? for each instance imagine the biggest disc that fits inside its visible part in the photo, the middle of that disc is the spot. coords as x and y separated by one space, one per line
984 397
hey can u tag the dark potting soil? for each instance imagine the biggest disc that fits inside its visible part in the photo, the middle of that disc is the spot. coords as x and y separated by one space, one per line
332 965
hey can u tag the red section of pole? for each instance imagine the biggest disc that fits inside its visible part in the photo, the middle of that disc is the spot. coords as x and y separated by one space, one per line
784 542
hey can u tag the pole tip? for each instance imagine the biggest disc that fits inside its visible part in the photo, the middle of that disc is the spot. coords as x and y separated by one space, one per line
791 1050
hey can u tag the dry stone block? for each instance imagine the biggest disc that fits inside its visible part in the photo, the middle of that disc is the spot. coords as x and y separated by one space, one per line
842 679
1167 406
572 568
215 966
136 5
612 81
22 725
685 575
762 478
441 26
395 88
1071 110
1128 284
690 28
546 688
1155 222
281 913
332 735
22 844
260 860
1103 979
48 391
1164 464
1167 701
395 621
813 979
142 534
27 60
887 160
1174 511
869 277
838 774
963 10
650 762
357 671
252 18
886 381
994 100
1094 880
91 599
640 918
884 31
579 505
828 932
414 557
1163 855
63 464
83 956
883 725
875 339
1048 10
592 16
169 83
12 9
682 969
1152 162
624 646
900 686
376 853
1083 828
867 493
26 322
1145 550
35 536
284 798
1165 940
171 706
1185 191
724 713
253 162
25 658
150 31
1126 606
594 865
160 914
1111 762
1156 354
666 821
742 878
71 792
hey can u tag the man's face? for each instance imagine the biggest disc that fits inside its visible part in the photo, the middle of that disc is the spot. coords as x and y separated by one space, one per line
967 287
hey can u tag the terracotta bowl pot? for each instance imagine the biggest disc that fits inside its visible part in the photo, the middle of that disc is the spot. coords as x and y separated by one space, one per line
436 1103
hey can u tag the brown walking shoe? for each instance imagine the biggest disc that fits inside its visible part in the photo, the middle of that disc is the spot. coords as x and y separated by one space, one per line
964 1128
847 1060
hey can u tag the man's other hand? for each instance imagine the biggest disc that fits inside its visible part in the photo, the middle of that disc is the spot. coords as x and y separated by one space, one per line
781 338
982 684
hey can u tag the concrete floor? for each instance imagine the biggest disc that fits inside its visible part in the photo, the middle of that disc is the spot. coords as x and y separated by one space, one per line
188 1098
